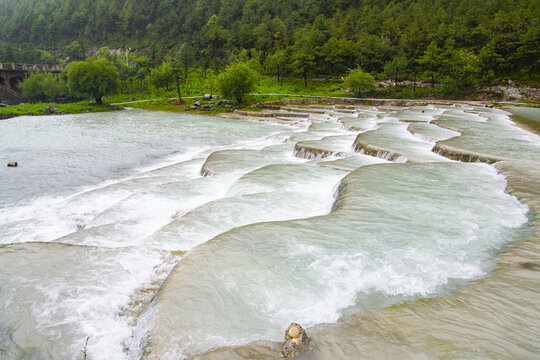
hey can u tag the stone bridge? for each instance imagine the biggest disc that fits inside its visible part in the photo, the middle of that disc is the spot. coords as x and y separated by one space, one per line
12 74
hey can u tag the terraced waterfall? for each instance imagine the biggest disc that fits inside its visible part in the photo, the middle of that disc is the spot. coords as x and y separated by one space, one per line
387 231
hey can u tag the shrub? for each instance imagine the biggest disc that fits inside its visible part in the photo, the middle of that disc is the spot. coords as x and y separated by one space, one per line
236 81
359 82
41 86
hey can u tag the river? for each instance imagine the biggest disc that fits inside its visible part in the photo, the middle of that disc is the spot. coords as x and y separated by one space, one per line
164 236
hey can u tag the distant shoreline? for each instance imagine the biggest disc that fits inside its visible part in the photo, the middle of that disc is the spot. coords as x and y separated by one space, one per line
283 99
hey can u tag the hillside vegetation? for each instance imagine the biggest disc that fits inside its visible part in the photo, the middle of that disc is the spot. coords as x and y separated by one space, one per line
320 37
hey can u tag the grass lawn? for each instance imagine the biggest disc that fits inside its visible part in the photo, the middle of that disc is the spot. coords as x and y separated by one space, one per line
53 108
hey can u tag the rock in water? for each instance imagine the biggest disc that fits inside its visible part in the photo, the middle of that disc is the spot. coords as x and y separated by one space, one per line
296 341
12 164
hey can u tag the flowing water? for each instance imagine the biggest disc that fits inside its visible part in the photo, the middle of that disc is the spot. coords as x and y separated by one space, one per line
163 236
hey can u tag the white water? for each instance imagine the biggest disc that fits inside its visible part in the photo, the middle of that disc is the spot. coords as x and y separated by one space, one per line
103 205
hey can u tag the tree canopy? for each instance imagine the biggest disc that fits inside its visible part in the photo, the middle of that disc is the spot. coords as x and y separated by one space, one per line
304 38
236 82
92 78
359 82
42 86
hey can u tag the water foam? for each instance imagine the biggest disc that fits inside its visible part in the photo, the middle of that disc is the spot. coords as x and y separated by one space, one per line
436 229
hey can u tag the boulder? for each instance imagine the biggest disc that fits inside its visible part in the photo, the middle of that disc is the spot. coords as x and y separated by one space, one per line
197 103
193 107
12 164
207 97
296 341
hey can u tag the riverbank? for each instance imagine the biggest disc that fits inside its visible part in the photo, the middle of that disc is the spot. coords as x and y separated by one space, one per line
502 91
54 109
256 102
292 90
525 118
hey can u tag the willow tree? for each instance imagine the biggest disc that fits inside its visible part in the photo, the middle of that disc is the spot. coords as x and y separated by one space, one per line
92 78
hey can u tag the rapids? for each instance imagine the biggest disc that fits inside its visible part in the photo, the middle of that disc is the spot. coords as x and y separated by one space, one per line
164 236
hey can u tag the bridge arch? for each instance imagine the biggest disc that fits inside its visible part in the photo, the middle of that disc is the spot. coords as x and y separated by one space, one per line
14 81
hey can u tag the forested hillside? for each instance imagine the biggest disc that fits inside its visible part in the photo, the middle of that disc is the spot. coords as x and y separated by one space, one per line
322 37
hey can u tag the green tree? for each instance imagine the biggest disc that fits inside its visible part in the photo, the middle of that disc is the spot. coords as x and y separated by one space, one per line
412 45
214 37
236 81
180 67
304 51
142 69
39 26
528 52
398 65
462 68
93 78
74 51
358 82
162 77
184 58
338 54
431 60
7 52
275 63
112 57
375 51
41 86
489 61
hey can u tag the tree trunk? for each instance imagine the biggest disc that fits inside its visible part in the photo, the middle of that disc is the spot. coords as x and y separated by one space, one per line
178 89
432 81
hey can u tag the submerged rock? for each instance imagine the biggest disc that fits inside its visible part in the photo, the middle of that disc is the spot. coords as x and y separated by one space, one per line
12 164
296 341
